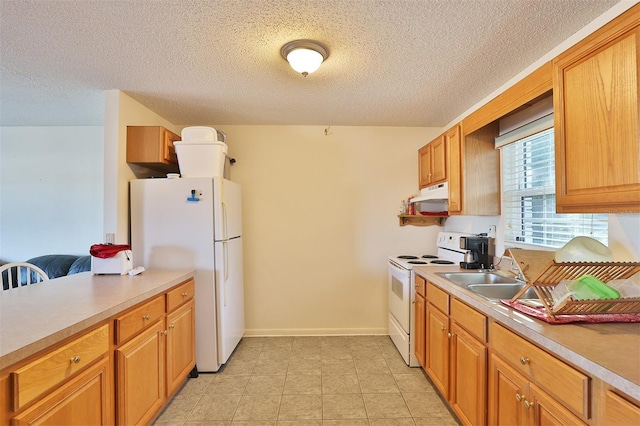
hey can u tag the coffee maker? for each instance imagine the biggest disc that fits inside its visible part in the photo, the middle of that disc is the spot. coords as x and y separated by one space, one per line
480 252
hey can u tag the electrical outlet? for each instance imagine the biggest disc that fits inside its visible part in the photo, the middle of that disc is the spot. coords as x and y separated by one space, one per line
492 231
110 238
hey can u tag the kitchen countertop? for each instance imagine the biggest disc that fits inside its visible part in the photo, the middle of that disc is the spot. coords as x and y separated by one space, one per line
607 351
37 316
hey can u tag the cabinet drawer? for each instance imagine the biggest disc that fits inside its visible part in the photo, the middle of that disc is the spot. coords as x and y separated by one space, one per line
438 298
138 319
473 321
421 286
52 369
180 295
559 379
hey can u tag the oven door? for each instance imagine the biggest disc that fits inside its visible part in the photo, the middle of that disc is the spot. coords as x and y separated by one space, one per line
400 294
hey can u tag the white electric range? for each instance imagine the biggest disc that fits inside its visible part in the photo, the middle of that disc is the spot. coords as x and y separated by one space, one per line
402 292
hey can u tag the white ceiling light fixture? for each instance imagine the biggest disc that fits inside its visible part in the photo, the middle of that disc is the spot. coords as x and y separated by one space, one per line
304 56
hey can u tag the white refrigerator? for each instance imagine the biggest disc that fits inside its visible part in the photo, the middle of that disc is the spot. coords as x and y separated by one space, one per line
196 223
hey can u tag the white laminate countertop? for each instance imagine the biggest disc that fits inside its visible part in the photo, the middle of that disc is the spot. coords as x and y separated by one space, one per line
37 316
607 351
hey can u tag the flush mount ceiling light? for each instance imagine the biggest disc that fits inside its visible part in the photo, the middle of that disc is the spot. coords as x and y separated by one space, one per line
304 56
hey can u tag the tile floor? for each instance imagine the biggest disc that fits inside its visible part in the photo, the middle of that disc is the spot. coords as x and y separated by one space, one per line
341 380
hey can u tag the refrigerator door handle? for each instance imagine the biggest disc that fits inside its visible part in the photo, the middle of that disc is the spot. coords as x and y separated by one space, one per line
225 231
225 273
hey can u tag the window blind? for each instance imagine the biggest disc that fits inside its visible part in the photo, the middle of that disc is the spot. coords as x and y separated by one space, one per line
528 197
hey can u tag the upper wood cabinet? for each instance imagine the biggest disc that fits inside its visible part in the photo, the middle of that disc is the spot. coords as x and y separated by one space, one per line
596 94
473 171
432 163
152 147
453 139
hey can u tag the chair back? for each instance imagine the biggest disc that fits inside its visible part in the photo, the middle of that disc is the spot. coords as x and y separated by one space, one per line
16 274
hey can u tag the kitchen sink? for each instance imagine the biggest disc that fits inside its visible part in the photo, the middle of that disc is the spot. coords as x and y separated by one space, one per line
501 291
477 278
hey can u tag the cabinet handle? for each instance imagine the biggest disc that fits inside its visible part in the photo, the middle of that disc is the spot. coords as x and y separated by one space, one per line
145 317
518 397
443 328
165 332
172 326
527 404
185 294
449 335
75 359
524 360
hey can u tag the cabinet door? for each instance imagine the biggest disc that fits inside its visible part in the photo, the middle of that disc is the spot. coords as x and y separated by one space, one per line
468 377
596 100
168 149
619 411
544 410
140 377
424 166
420 324
438 349
454 172
84 400
181 356
507 394
438 160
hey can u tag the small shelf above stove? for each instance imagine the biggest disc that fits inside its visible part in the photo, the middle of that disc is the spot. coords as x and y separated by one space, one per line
420 220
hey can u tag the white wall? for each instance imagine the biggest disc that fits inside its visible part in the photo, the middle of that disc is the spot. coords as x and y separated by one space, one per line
320 219
51 190
121 111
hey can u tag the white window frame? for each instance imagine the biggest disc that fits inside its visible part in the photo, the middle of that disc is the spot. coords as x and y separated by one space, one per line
596 224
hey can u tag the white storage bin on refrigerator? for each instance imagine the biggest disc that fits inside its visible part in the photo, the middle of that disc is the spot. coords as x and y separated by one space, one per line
201 153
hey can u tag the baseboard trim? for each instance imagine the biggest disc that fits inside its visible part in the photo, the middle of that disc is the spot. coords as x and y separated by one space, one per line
264 332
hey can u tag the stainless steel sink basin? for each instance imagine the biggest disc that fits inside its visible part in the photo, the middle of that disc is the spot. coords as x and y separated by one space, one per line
501 291
483 278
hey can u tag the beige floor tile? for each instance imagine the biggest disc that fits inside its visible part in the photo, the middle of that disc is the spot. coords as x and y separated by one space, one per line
310 381
303 384
265 385
435 421
425 404
227 384
413 383
385 406
238 367
305 366
258 407
338 366
214 407
347 406
371 366
378 383
349 422
408 421
177 411
194 388
340 384
271 366
300 407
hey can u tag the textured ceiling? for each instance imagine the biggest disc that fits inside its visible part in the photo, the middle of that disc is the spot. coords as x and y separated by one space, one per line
394 63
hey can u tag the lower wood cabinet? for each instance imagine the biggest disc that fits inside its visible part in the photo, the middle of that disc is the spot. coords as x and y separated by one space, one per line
84 400
619 411
456 358
140 376
180 353
514 400
122 371
151 366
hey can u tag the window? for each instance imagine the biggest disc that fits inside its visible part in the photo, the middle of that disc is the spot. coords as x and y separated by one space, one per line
528 197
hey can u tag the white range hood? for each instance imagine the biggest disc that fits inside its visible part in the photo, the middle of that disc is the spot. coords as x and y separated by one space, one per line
436 193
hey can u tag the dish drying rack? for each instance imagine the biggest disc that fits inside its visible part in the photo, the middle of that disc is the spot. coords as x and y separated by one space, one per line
543 273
